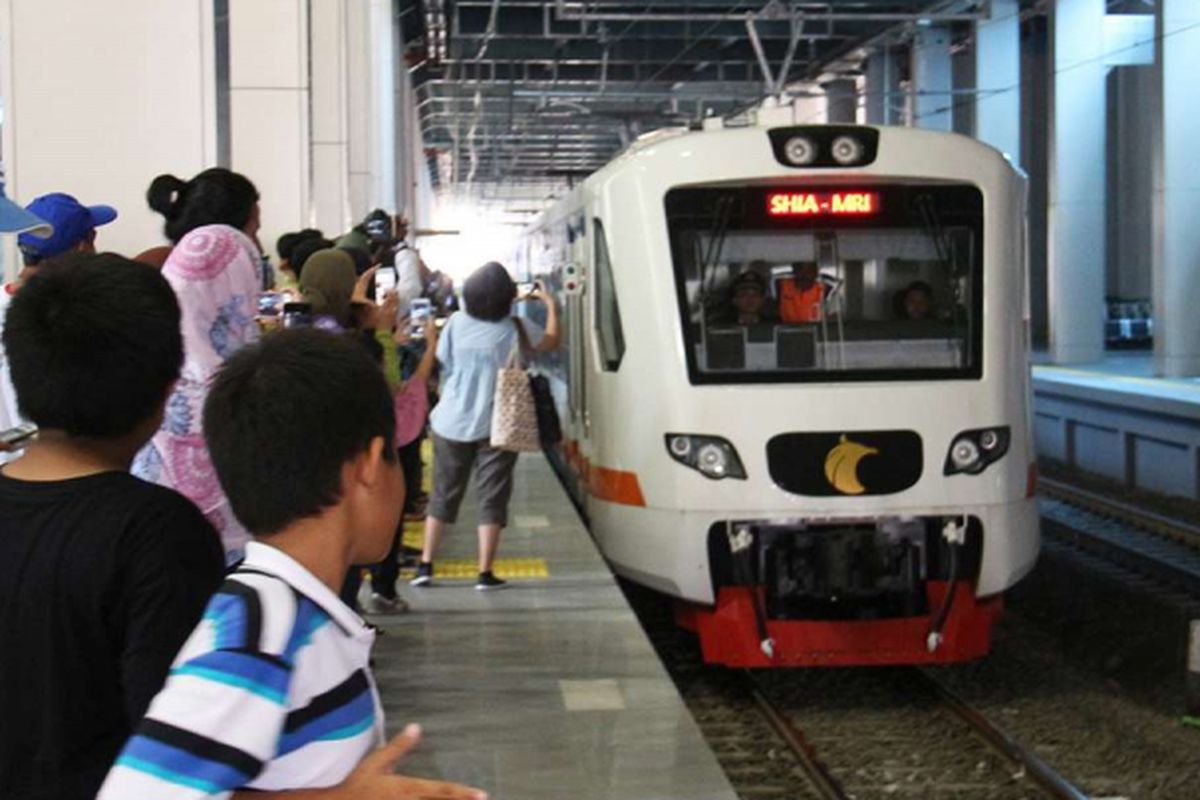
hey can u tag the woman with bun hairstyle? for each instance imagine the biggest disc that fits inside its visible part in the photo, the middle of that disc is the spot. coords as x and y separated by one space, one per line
216 196
215 271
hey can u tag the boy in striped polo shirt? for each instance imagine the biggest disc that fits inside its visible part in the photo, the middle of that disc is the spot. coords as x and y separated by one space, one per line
273 690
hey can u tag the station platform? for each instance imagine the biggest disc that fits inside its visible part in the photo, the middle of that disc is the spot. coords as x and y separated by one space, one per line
547 688
1115 419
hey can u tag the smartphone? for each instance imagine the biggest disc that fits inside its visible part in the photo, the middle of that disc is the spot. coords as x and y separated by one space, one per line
297 315
525 289
269 303
15 437
379 229
419 311
385 281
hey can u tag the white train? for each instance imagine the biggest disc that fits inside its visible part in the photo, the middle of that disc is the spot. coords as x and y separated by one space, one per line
844 475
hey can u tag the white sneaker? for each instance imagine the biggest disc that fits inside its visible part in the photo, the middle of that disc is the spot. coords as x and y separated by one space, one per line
388 605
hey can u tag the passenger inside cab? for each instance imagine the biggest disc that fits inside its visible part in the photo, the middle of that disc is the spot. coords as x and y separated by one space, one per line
748 302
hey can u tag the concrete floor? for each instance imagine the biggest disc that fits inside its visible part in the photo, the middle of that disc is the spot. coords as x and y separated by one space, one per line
547 688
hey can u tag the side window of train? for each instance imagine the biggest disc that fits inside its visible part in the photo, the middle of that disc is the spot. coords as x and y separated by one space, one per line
608 314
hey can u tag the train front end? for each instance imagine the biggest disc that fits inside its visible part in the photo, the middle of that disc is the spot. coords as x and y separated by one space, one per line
844 474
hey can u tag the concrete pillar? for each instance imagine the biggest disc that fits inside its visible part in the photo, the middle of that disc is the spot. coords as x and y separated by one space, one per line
998 79
269 109
1177 193
358 97
932 79
841 99
1133 131
1076 161
884 101
330 117
101 97
383 105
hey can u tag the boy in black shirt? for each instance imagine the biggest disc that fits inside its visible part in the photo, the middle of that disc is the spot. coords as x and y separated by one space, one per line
102 575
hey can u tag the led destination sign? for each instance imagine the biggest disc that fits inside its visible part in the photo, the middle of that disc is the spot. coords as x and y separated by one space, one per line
820 204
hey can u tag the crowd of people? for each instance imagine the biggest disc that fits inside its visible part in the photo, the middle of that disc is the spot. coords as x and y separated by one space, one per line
201 452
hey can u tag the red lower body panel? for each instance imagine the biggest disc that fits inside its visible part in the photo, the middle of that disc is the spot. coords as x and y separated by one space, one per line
728 633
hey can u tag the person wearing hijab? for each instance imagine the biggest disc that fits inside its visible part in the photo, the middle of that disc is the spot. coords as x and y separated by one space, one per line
327 283
215 271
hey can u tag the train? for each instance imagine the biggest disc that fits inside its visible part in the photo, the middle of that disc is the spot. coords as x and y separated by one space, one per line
794 384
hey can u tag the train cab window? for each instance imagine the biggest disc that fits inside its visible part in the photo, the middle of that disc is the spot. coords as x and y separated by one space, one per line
781 284
608 314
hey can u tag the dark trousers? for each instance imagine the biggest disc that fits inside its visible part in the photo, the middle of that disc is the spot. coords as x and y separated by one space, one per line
385 574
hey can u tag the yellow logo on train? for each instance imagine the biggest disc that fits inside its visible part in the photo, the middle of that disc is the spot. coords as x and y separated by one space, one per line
841 465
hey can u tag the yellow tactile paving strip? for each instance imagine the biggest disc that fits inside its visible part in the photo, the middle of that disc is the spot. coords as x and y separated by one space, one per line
509 569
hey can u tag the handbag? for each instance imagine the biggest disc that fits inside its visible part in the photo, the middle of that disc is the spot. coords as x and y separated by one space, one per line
514 417
549 428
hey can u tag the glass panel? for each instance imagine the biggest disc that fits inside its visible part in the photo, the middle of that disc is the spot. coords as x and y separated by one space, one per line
608 314
796 285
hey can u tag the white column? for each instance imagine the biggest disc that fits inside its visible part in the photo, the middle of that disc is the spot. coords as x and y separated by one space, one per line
359 98
1177 193
1076 223
884 103
998 79
383 105
101 97
269 109
932 79
330 117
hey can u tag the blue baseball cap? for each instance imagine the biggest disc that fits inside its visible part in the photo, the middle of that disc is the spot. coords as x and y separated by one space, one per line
14 219
72 222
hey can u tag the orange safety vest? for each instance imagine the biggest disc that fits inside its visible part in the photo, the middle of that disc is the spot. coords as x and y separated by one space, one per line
800 305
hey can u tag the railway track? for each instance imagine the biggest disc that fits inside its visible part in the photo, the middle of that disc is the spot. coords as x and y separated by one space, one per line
1164 548
865 733
916 738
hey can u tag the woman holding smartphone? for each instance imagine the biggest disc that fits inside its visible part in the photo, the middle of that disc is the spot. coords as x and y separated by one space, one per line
473 346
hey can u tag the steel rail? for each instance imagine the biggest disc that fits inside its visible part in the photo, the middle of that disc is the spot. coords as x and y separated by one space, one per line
1038 770
817 773
1161 524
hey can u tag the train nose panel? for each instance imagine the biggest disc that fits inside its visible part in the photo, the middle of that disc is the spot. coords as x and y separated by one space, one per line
840 463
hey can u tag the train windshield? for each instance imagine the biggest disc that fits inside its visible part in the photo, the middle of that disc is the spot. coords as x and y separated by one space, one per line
829 283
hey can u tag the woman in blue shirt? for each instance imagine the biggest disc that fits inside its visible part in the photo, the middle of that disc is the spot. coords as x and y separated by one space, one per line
473 347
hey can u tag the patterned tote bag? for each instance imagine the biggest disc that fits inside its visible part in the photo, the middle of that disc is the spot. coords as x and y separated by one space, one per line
514 417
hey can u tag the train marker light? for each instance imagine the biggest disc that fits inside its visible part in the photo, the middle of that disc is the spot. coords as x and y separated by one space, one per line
800 150
821 204
847 150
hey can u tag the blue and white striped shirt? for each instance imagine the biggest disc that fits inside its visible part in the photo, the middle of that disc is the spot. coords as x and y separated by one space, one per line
272 691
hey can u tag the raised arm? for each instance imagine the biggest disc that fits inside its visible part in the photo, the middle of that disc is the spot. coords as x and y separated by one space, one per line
429 357
550 340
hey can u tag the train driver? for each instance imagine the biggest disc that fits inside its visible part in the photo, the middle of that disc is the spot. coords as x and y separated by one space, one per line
801 296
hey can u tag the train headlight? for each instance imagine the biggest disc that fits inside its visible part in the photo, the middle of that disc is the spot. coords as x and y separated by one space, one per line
972 451
800 150
964 454
711 456
847 150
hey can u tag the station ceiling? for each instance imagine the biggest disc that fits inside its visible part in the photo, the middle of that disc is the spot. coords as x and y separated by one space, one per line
519 91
